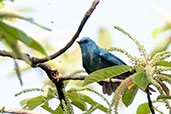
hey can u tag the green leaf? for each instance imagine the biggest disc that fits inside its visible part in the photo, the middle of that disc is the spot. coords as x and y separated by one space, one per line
59 110
164 63
141 80
3 110
24 101
167 26
143 109
104 38
92 102
49 109
18 72
9 15
80 104
33 102
109 72
77 101
161 46
129 95
163 97
157 31
2 4
14 34
25 68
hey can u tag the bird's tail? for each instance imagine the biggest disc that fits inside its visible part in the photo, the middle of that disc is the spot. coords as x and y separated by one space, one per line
109 87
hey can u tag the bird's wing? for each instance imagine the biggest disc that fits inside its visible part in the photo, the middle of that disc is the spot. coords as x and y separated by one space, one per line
112 59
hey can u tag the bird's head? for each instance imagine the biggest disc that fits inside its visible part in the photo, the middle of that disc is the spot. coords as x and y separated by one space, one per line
87 45
86 42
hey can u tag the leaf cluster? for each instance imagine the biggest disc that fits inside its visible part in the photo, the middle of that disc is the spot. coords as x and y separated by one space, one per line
149 71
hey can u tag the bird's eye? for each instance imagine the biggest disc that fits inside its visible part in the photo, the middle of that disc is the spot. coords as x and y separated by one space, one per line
83 42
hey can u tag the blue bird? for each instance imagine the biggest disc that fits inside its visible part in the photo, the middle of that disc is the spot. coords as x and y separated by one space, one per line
95 58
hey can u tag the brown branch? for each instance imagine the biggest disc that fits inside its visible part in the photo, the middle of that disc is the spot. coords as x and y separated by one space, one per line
39 62
8 54
82 77
20 111
76 35
36 60
53 76
149 100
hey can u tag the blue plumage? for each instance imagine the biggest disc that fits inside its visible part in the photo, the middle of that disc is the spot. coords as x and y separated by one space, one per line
95 58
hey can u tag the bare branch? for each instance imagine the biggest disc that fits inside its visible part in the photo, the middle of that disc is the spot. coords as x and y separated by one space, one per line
82 77
35 60
20 111
53 76
76 35
8 54
51 72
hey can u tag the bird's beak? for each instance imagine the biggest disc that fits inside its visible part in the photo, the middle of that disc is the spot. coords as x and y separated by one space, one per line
78 42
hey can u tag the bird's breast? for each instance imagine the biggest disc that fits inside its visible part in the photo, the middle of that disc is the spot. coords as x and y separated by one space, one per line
92 62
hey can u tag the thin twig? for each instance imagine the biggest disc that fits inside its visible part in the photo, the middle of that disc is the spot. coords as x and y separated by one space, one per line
149 101
76 35
39 62
36 60
20 111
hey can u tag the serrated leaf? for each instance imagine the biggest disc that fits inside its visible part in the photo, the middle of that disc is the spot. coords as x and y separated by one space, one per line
157 31
104 38
109 72
14 34
92 102
163 97
143 109
49 109
77 101
129 95
141 80
33 102
164 63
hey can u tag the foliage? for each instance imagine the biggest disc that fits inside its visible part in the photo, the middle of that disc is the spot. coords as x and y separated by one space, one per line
129 95
150 70
74 98
106 73
11 36
143 109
